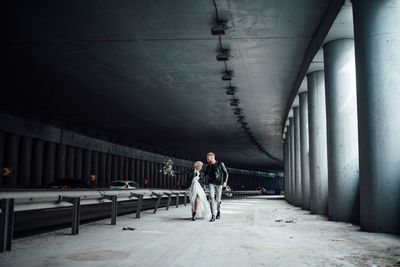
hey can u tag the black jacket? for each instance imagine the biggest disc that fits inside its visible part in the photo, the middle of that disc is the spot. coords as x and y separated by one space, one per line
221 174
190 174
201 179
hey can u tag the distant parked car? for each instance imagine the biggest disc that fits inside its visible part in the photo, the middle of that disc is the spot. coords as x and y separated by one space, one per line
67 184
124 184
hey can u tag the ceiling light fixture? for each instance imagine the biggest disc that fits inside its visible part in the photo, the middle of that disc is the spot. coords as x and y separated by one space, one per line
237 111
231 91
240 118
227 76
219 29
224 56
234 102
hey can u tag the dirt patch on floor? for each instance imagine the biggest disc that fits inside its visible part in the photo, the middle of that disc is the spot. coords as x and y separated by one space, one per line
388 257
100 255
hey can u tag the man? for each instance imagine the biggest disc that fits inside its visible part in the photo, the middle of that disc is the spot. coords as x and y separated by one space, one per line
217 180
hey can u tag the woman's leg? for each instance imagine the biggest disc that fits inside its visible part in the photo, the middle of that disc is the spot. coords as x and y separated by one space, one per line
196 205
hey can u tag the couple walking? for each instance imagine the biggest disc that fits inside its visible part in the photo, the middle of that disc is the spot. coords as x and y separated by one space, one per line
217 176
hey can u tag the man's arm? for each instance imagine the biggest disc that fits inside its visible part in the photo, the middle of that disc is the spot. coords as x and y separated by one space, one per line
225 173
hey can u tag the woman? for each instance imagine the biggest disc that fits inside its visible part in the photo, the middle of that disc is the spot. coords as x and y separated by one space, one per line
198 199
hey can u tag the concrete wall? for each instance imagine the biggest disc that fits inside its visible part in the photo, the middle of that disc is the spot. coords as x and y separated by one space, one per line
40 154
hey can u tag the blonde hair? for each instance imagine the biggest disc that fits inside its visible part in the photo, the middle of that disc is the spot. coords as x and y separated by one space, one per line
197 163
211 154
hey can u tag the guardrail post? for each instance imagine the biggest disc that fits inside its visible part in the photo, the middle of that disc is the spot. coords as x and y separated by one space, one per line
76 212
139 204
114 208
158 202
6 224
177 200
185 198
169 200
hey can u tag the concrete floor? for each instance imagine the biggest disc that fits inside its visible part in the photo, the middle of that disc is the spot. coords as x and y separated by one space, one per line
257 231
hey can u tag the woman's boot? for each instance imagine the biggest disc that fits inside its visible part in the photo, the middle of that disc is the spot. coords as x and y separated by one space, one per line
193 216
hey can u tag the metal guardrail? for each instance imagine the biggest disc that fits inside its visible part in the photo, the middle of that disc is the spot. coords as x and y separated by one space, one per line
14 201
239 194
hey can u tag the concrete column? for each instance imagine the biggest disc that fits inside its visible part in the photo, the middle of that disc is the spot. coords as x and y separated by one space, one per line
86 166
288 138
121 168
60 161
317 143
297 168
137 171
37 163
142 172
151 174
342 131
114 168
70 160
158 174
95 167
11 155
377 43
25 162
131 175
304 151
285 166
49 163
292 162
101 178
108 177
78 164
2 152
161 177
126 168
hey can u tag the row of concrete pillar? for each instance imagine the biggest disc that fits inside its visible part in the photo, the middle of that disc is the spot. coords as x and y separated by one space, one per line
342 145
36 163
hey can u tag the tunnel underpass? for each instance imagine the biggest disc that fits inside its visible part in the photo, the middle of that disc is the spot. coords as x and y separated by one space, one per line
106 107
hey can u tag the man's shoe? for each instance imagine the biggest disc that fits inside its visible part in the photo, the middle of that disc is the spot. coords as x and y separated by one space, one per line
212 219
218 215
193 216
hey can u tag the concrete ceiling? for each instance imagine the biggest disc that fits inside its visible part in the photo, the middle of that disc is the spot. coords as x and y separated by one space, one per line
145 72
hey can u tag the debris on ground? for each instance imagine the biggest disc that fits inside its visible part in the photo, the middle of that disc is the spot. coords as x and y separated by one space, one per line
128 228
287 221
